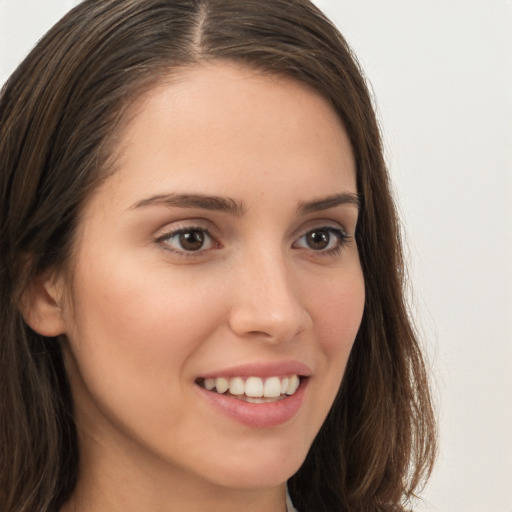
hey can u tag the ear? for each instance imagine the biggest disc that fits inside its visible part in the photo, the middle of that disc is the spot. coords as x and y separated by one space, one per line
42 305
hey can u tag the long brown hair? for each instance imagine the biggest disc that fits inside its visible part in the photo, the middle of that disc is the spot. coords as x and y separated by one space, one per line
58 117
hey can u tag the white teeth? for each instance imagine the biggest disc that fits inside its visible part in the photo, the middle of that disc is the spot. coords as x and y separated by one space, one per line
261 400
255 389
272 387
236 386
221 384
293 385
284 385
252 400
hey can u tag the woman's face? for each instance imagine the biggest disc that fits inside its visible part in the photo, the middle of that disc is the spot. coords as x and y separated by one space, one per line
220 253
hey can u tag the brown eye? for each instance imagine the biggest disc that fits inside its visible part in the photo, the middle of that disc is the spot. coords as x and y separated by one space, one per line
323 240
188 240
192 240
318 239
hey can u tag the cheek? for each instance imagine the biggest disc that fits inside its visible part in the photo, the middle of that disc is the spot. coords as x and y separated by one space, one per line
131 342
338 315
132 336
153 307
338 312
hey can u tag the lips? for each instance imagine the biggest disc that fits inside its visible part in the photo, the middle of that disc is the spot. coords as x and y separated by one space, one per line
257 395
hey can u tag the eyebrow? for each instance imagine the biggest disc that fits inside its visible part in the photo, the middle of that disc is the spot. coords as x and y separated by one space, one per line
216 203
228 205
325 203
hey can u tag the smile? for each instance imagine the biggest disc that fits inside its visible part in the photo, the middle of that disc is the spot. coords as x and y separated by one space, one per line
253 389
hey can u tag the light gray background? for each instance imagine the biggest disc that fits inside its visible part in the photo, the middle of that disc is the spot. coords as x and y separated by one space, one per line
441 71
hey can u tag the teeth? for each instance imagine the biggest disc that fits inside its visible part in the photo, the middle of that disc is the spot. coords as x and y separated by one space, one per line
221 384
252 400
255 389
272 387
236 386
293 385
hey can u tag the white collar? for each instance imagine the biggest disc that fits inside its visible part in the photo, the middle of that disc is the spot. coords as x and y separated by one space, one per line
289 504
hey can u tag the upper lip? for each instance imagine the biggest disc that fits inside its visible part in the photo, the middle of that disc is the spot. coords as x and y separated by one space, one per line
262 369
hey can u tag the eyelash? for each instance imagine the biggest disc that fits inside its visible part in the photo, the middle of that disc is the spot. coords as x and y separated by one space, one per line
164 240
343 239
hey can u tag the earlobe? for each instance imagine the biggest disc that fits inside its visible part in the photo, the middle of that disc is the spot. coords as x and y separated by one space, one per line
42 305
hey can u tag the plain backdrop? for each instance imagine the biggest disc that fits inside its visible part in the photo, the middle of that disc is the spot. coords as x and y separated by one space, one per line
441 72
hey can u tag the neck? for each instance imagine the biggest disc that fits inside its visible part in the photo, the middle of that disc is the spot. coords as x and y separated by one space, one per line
172 499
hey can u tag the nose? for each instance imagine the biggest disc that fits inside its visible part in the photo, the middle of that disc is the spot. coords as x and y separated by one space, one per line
267 302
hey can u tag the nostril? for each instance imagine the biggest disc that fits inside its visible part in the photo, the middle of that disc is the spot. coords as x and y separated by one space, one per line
259 333
267 322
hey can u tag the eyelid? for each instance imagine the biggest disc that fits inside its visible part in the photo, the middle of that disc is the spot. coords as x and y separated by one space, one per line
180 228
174 229
321 224
336 229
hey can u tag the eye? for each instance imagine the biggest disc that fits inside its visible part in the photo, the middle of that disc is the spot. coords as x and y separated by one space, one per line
186 240
323 239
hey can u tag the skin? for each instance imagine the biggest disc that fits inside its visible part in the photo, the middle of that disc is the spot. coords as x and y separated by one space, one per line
144 318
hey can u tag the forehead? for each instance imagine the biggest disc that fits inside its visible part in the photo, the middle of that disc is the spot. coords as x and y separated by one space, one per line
217 123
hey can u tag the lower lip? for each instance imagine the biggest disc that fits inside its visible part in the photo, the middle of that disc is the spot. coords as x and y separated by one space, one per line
261 415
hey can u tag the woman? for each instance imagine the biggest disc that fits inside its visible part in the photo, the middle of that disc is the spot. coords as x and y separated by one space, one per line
201 270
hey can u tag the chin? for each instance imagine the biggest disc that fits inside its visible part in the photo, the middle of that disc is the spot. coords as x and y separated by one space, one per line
258 470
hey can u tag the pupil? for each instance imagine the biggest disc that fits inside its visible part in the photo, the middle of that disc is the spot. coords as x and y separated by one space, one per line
192 240
318 239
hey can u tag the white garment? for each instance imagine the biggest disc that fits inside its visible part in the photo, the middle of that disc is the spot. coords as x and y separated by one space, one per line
289 504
